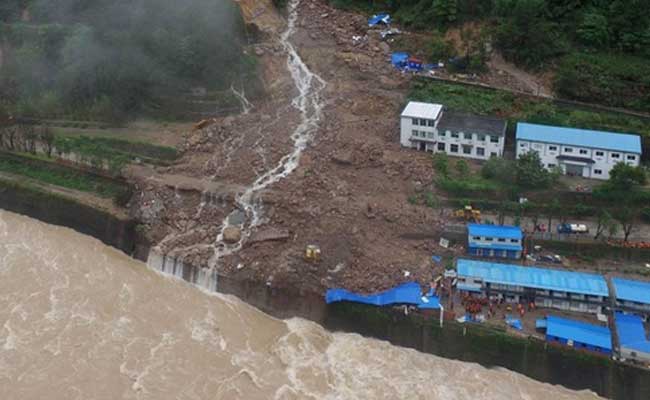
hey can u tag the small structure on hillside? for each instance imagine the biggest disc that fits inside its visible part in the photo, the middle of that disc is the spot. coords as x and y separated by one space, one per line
578 152
550 288
577 334
502 241
632 338
431 127
379 19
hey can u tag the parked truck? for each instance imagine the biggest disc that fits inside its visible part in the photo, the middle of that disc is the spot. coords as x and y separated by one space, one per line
572 228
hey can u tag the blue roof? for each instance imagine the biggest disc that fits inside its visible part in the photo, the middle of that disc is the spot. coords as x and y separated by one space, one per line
579 137
534 277
631 333
630 290
578 331
498 231
407 293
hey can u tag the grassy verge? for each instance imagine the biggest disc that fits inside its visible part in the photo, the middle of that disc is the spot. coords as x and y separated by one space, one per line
520 108
116 152
54 174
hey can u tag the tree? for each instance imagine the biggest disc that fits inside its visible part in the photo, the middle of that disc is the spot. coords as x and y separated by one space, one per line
524 35
445 11
462 168
441 164
626 216
593 30
626 177
605 220
47 137
530 172
439 48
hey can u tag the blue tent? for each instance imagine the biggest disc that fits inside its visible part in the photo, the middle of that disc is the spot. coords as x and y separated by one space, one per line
399 59
377 19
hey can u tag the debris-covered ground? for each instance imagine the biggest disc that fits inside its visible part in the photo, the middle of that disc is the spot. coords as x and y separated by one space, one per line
348 194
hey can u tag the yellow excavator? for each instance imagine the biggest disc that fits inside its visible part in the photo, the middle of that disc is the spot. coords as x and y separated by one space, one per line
469 214
312 253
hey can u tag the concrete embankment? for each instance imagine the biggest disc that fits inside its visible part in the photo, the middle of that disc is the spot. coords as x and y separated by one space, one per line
573 369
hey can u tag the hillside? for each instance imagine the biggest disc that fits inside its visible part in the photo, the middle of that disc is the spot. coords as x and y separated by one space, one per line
112 60
593 50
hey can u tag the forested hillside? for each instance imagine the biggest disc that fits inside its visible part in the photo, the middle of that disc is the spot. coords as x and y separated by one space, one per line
600 49
113 59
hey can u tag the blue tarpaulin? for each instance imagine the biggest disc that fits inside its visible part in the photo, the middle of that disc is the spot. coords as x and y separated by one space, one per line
407 293
379 19
399 59
514 322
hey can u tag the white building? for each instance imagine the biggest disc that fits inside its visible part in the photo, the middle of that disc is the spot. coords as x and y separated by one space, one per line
578 152
430 127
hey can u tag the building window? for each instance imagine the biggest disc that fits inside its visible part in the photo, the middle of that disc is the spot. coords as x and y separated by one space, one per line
493 154
414 121
502 240
631 158
551 165
454 135
454 148
552 148
568 149
467 149
468 136
441 146
481 137
477 238
616 155
431 122
415 133
600 154
583 151
488 239
514 240
480 151
598 171
522 145
430 135
494 139
441 134
423 122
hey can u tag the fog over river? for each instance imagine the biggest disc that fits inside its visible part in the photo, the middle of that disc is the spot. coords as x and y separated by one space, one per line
80 320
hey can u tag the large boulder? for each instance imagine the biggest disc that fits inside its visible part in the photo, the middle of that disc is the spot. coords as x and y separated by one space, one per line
232 234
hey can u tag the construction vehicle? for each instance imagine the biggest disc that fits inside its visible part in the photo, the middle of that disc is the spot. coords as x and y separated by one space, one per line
312 253
469 214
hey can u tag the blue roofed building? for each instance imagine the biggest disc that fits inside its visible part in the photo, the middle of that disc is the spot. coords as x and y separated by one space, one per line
501 241
578 334
632 295
550 288
578 152
632 338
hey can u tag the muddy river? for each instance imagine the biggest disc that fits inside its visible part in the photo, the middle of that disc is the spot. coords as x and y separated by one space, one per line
80 320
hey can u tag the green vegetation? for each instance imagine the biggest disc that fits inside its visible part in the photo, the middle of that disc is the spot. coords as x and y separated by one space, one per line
110 60
504 104
602 47
51 173
115 152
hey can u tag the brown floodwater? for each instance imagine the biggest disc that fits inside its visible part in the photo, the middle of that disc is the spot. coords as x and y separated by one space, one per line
80 320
